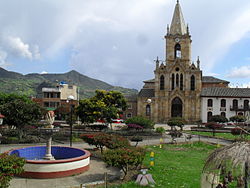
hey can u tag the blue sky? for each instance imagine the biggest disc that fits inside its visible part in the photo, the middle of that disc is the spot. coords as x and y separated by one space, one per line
117 41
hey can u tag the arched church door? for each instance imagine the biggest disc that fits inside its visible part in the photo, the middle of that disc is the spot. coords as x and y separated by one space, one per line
176 108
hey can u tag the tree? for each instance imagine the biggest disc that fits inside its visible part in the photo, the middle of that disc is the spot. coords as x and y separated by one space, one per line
237 118
213 126
124 158
10 165
219 118
105 105
90 110
176 121
20 111
141 121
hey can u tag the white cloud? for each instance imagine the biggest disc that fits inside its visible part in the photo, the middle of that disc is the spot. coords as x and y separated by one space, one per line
44 72
240 72
18 47
3 57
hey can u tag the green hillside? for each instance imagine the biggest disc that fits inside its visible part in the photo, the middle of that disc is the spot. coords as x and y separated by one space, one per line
31 84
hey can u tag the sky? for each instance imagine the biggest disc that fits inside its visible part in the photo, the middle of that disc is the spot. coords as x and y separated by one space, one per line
117 41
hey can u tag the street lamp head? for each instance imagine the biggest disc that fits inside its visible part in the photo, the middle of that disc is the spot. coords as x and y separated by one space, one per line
149 101
1 119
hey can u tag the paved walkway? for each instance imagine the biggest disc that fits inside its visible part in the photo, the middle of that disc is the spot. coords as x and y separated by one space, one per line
97 167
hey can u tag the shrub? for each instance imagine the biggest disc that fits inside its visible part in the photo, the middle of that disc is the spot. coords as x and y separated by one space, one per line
125 158
213 125
116 141
236 131
238 118
136 139
10 165
134 126
218 118
176 121
100 140
142 121
160 130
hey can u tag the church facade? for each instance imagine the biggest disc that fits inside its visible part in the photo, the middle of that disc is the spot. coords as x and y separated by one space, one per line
179 89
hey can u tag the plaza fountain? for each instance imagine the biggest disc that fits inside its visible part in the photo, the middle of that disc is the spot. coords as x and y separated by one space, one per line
52 161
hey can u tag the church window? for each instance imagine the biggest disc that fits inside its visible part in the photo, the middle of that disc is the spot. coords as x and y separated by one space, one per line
148 110
235 104
172 81
162 82
177 80
177 69
177 50
223 114
223 103
210 103
246 104
209 116
181 82
192 83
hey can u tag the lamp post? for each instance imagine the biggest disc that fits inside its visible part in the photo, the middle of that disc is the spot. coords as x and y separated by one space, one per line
69 100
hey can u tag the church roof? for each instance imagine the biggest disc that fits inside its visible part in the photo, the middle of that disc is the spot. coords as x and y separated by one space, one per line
146 93
225 92
178 25
149 81
211 79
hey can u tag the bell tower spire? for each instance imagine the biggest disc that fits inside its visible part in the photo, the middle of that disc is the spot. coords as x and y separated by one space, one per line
178 25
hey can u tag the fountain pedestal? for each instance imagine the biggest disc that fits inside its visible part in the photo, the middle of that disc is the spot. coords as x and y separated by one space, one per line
48 155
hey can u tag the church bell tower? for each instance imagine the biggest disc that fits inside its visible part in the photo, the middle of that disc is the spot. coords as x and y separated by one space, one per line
177 85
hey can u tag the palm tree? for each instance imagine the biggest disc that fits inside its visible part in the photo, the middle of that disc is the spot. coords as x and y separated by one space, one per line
229 161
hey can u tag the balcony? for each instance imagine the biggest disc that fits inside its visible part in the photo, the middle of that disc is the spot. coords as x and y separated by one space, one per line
239 108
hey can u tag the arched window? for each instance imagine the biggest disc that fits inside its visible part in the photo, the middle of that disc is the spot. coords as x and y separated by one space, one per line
177 80
162 82
210 103
246 104
177 51
172 81
223 114
148 110
209 116
223 103
129 115
181 82
235 104
192 83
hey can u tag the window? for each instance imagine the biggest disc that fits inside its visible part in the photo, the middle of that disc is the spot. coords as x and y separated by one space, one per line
177 50
129 106
235 104
162 82
210 103
209 116
223 114
172 81
129 115
192 83
181 82
70 87
246 104
177 80
148 110
223 103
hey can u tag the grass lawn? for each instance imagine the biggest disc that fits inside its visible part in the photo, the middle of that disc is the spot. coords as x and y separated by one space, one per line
218 135
176 166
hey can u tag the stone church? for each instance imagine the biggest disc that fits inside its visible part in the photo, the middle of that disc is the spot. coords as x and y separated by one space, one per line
179 89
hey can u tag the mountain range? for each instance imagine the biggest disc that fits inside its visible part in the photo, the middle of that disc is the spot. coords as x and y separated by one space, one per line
31 84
